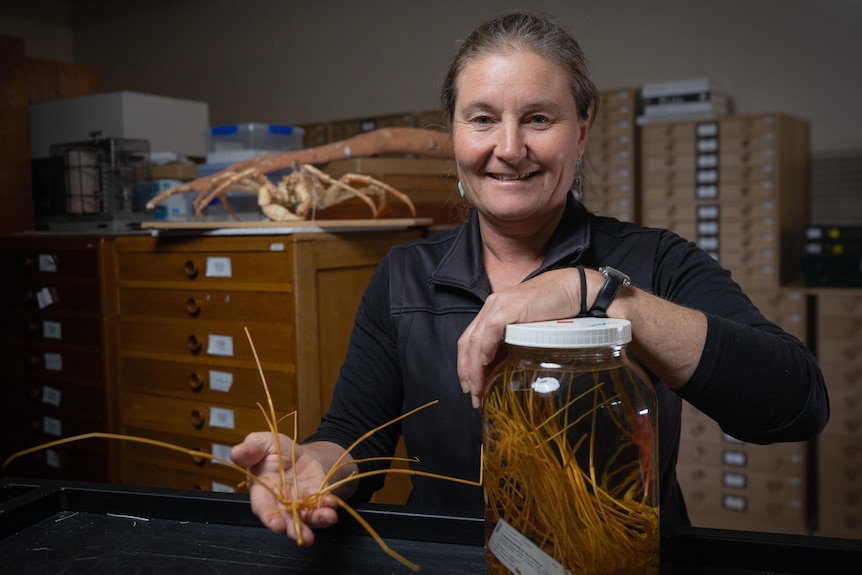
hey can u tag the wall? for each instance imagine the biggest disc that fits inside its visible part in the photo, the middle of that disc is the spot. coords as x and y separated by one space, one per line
294 62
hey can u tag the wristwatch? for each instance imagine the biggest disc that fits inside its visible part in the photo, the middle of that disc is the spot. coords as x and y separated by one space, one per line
614 281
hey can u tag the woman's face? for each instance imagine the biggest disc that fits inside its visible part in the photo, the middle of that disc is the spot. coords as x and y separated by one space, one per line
517 136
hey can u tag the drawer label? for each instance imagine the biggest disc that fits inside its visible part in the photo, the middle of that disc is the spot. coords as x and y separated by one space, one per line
45 297
736 480
52 426
222 452
52 330
219 487
53 361
220 345
735 458
221 418
221 380
52 459
51 396
734 502
218 267
47 263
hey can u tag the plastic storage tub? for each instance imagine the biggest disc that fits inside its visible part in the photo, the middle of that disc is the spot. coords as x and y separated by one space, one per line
263 137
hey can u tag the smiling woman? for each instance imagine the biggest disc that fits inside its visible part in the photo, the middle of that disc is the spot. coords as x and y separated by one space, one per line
519 99
515 147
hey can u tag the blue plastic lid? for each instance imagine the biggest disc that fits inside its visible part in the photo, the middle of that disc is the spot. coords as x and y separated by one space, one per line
234 128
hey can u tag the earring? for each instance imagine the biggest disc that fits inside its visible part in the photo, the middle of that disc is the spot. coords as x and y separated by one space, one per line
460 189
576 182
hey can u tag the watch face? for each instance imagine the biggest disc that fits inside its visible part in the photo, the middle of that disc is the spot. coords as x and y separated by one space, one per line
608 272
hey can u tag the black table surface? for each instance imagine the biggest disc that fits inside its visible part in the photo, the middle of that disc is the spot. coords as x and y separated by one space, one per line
59 527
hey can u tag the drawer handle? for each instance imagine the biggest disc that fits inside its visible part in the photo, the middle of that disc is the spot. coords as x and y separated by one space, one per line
191 269
197 418
193 307
194 344
31 329
196 382
199 460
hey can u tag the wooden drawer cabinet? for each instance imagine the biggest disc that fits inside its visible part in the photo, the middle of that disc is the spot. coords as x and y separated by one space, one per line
55 352
185 369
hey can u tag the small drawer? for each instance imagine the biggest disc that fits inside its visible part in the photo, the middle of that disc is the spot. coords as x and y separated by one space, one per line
221 340
216 269
207 381
218 305
222 423
50 327
53 362
51 296
145 473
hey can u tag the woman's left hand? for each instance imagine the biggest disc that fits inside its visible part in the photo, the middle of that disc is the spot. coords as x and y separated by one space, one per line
552 295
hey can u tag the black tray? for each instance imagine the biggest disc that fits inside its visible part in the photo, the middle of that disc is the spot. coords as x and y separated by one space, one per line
50 527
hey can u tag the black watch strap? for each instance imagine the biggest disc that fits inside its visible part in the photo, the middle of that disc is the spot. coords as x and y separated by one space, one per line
614 281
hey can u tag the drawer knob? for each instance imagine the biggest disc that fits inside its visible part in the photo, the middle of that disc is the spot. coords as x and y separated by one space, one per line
193 306
31 328
196 381
199 460
197 418
191 269
36 393
194 344
35 361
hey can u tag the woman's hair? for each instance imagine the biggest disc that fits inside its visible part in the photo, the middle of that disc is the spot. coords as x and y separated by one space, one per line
524 31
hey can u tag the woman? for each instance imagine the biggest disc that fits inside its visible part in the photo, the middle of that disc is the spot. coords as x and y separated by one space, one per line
519 97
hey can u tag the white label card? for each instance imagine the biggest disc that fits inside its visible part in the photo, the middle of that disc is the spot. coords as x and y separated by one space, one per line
51 396
52 459
52 330
520 555
220 345
218 267
221 417
53 361
221 380
221 488
47 263
44 298
222 452
52 426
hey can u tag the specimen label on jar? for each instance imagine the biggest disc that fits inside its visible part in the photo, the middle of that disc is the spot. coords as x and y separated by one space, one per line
520 555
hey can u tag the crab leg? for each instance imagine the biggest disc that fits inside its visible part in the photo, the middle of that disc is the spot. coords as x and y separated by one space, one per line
431 143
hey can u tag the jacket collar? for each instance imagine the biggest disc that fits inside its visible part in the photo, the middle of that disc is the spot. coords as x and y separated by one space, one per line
461 266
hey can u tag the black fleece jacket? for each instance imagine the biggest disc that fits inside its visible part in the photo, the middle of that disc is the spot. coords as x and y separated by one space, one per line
759 383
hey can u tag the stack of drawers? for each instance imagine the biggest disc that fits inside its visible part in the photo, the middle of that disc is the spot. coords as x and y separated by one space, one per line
187 374
610 163
839 328
737 186
55 351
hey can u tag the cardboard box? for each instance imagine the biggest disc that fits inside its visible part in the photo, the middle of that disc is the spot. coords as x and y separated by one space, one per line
169 124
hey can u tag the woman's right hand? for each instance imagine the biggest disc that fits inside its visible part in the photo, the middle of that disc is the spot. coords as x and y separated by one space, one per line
302 479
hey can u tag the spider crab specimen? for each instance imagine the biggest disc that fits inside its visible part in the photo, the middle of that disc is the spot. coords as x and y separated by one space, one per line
307 188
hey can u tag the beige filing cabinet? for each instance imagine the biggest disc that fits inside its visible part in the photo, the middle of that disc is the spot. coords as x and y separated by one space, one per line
839 350
737 186
55 351
186 370
610 167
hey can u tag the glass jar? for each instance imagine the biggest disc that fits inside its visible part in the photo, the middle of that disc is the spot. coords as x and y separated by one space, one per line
571 453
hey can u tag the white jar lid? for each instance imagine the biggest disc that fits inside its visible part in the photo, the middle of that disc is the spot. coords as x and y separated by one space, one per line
579 332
